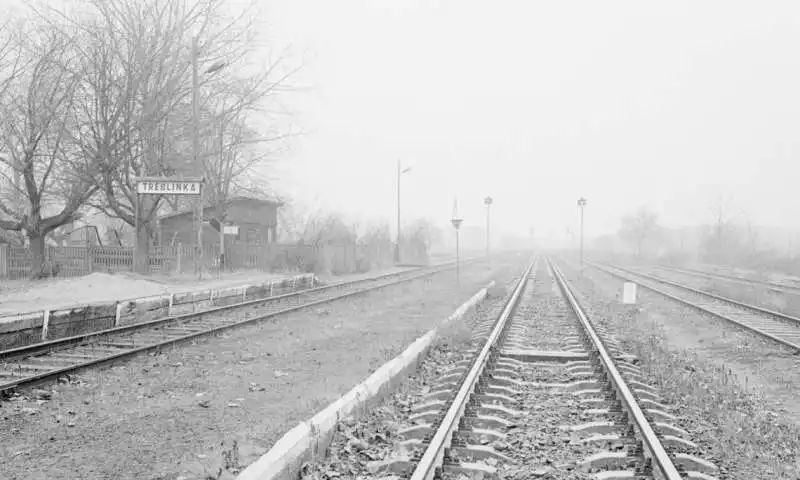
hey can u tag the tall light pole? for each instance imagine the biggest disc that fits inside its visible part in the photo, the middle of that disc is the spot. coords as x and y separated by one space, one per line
456 221
198 249
397 247
488 202
196 148
581 204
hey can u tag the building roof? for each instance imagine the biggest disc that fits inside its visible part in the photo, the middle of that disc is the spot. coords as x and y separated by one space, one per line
233 200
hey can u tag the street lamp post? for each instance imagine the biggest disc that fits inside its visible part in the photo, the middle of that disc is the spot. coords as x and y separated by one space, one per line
456 221
198 253
488 202
397 247
581 204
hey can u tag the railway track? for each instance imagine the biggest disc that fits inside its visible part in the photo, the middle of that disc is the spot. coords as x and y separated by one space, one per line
776 287
776 326
541 391
53 359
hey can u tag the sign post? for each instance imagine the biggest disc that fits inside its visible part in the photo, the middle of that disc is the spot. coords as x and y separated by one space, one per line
456 221
163 186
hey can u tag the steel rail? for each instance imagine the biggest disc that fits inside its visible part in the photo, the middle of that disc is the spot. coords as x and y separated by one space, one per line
778 287
55 373
738 303
66 342
659 455
758 310
434 452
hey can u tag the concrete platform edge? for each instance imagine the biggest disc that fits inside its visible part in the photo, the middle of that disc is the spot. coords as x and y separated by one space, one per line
311 438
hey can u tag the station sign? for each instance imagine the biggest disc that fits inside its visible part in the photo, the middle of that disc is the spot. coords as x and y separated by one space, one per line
168 187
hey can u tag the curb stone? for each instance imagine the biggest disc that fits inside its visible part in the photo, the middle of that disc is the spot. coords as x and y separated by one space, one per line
312 437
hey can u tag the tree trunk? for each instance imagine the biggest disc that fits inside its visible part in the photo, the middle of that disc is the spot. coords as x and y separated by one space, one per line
142 250
38 250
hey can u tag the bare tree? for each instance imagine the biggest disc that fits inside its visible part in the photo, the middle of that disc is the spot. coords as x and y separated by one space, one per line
52 178
722 241
137 90
424 230
638 228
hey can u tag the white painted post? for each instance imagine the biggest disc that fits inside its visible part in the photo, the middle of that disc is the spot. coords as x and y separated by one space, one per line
117 314
171 303
244 292
294 283
211 296
629 293
271 287
45 324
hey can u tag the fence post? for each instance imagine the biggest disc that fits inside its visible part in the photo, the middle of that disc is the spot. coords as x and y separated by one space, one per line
117 314
271 287
3 261
171 302
244 293
211 296
45 324
89 259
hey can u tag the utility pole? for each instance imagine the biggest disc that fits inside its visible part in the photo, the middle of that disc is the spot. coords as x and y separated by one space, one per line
488 202
581 204
198 250
397 247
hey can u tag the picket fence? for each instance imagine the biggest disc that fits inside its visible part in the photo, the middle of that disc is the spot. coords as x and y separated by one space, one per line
17 262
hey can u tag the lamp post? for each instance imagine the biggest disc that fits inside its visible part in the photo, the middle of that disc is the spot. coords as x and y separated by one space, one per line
397 247
581 204
488 202
456 221
198 253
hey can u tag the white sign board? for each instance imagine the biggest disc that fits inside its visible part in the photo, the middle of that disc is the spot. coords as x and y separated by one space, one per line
629 293
167 187
230 229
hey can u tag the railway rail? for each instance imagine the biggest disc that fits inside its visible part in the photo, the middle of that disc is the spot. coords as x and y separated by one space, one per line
540 379
774 286
50 360
776 326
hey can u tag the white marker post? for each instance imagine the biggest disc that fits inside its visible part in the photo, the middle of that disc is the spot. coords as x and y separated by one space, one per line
629 293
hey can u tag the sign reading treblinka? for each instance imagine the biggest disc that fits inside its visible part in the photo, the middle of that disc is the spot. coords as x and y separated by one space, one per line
167 187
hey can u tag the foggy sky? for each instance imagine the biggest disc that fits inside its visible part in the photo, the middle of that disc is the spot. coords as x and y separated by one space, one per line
537 103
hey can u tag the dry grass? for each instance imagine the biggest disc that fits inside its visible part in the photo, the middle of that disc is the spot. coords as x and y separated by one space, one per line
735 416
178 413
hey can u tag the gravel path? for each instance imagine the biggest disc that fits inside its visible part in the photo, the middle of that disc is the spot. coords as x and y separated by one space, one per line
206 410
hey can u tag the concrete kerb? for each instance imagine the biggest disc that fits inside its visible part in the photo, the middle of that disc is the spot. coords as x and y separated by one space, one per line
312 437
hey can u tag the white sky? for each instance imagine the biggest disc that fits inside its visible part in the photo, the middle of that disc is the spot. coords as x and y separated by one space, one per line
536 103
539 102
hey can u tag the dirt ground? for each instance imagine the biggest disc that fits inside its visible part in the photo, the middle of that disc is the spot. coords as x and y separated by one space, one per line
23 296
177 414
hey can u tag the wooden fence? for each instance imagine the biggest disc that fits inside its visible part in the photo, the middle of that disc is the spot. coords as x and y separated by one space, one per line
17 262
